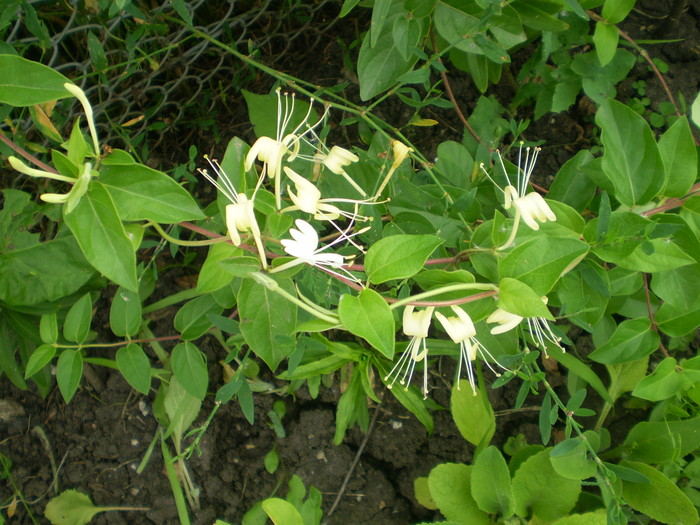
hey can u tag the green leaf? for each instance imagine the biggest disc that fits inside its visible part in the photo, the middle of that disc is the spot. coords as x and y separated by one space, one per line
605 39
632 160
633 339
540 262
282 512
71 508
570 459
76 327
680 158
141 193
662 441
48 328
398 256
413 401
615 11
192 320
101 236
624 377
540 491
491 486
662 500
677 322
664 382
472 414
125 313
598 81
571 185
456 26
135 367
69 371
181 408
380 13
25 83
677 286
379 65
190 369
98 59
368 316
31 274
267 320
598 517
580 369
450 487
265 125
39 359
519 299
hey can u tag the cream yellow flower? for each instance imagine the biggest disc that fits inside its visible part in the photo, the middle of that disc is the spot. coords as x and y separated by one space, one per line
462 331
415 325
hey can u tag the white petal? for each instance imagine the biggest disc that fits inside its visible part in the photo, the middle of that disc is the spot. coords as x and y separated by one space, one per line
506 321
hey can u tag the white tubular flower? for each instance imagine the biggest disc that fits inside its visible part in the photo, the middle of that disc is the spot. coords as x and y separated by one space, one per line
400 151
80 95
531 206
240 213
271 151
33 172
461 330
537 326
416 326
336 159
303 246
506 321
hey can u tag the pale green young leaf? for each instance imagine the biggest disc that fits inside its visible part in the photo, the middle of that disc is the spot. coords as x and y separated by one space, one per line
662 441
472 414
615 11
282 512
135 367
491 484
624 377
605 39
71 507
450 487
190 369
181 408
369 316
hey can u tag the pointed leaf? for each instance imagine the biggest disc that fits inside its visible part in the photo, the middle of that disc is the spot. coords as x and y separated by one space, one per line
369 316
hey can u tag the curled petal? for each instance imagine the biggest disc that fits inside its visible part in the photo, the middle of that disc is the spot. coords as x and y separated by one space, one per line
80 95
338 158
400 151
240 217
416 324
533 208
506 321
460 328
33 172
308 195
54 198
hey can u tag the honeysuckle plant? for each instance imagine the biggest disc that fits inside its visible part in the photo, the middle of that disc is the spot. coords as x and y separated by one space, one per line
608 250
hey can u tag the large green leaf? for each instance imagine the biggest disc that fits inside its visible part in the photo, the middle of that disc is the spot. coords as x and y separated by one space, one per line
267 320
141 193
662 441
69 371
369 316
491 486
540 491
398 256
380 65
100 234
43 272
125 313
680 158
632 160
661 500
633 339
135 367
472 414
25 83
450 488
541 261
190 369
